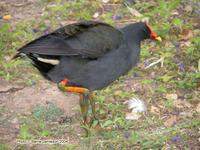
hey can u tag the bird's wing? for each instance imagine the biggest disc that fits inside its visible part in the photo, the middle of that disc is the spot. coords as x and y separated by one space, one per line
86 39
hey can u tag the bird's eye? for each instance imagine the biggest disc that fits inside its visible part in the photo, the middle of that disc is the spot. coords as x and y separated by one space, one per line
145 31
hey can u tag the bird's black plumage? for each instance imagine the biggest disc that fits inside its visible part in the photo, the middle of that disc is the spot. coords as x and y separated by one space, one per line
90 54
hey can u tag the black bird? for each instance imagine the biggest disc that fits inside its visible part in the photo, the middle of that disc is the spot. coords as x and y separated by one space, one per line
87 56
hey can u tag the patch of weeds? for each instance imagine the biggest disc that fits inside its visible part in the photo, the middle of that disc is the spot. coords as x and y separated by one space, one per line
49 113
146 81
10 39
117 122
25 132
188 80
2 110
4 147
164 6
145 138
169 104
146 123
32 129
63 147
145 51
191 52
161 89
165 78
78 9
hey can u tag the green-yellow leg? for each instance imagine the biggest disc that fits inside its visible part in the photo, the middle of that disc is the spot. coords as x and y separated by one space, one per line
92 104
84 105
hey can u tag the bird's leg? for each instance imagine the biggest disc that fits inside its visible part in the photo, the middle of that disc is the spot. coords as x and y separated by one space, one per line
84 106
84 96
92 104
84 103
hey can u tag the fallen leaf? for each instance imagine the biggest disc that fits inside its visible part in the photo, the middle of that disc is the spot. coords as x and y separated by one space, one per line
133 116
170 121
181 104
188 8
186 34
155 110
171 96
198 108
105 1
7 17
153 49
117 93
116 1
185 44
111 99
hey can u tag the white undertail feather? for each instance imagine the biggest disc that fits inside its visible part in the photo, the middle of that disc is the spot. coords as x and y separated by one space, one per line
49 61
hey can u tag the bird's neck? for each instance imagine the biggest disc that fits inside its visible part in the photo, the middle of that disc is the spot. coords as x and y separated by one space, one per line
133 35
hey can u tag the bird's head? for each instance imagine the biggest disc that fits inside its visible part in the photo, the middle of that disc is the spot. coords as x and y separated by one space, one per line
140 31
152 34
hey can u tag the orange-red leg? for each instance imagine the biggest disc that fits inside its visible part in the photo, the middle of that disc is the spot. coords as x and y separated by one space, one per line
85 95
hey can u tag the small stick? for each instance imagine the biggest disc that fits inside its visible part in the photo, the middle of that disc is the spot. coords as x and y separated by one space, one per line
161 61
133 11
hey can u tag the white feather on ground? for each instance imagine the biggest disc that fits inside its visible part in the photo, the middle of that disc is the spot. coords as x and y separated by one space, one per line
136 106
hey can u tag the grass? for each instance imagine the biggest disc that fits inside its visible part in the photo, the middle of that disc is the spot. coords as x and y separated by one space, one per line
149 131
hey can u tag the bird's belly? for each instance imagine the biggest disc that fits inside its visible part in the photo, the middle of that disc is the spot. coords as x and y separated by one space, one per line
99 74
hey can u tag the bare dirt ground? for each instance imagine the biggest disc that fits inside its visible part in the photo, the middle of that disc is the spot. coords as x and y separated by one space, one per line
19 100
20 9
22 99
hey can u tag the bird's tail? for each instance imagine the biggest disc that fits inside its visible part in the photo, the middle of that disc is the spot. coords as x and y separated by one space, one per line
17 55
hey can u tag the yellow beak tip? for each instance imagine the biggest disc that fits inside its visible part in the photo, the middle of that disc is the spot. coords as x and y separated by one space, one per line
158 39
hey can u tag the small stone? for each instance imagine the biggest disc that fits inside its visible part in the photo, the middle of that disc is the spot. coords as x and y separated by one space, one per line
127 134
176 139
133 116
174 12
117 17
198 108
96 15
35 30
182 67
171 96
14 121
111 99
